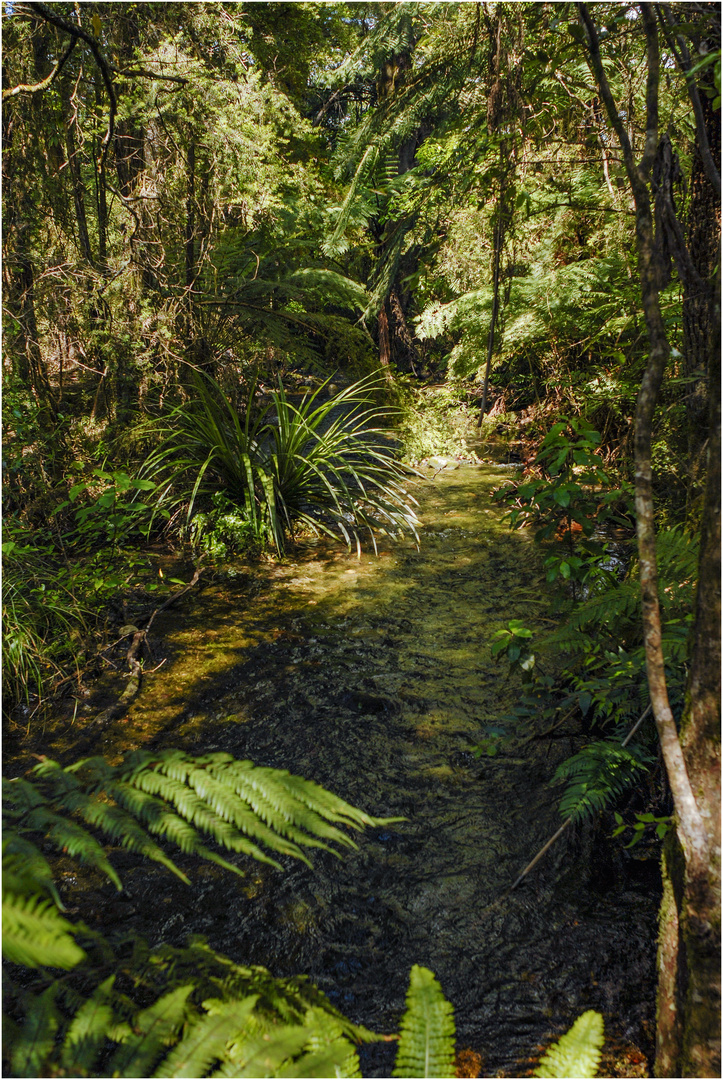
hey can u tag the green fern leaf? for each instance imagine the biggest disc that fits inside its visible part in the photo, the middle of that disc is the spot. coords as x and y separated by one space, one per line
207 1040
426 1043
596 776
88 1032
36 1038
35 934
25 868
152 1029
577 1053
70 837
314 1048
328 1052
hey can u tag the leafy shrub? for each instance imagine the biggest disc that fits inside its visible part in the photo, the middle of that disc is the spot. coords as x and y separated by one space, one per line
224 531
115 512
573 496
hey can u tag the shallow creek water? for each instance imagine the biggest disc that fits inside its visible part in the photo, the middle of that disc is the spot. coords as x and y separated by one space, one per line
374 678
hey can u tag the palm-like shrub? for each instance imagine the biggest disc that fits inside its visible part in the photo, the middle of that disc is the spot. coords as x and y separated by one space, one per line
322 463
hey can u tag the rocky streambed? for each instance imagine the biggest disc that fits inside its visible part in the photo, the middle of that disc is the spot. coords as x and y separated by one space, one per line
374 677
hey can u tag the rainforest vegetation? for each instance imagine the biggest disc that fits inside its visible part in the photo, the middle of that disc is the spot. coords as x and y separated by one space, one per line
267 268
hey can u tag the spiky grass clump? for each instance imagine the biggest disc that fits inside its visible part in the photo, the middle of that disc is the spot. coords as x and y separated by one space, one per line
39 619
322 463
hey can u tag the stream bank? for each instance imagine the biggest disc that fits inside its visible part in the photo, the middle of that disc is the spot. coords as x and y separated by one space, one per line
374 678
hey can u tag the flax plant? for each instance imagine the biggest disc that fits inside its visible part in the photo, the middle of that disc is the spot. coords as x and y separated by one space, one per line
321 464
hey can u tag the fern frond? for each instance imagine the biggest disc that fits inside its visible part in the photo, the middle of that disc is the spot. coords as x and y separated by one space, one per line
152 1029
35 1040
597 775
35 933
577 1053
207 1040
610 608
316 1047
25 868
72 838
328 1048
426 1043
88 1031
245 808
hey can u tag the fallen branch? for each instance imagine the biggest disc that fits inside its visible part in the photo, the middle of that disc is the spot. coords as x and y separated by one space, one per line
135 668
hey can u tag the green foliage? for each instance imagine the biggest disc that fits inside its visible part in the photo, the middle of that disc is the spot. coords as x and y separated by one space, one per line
321 463
574 490
170 795
642 822
433 420
41 615
108 1034
201 1013
34 932
249 1024
597 775
177 798
426 1042
577 1053
512 641
223 531
115 513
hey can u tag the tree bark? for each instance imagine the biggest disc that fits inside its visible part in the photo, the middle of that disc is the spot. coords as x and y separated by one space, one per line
689 957
77 184
699 297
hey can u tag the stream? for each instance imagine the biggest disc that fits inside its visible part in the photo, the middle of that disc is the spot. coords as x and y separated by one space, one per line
374 678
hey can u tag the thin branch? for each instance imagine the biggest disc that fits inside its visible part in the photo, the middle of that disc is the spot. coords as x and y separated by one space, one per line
651 93
52 17
543 850
27 88
127 73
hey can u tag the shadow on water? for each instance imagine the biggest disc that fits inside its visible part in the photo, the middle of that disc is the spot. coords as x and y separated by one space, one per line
374 678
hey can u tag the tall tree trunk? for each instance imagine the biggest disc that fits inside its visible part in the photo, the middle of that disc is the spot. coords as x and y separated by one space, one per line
190 214
76 180
396 343
699 296
689 958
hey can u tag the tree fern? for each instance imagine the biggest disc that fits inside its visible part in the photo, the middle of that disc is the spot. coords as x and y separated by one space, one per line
597 775
426 1043
577 1053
